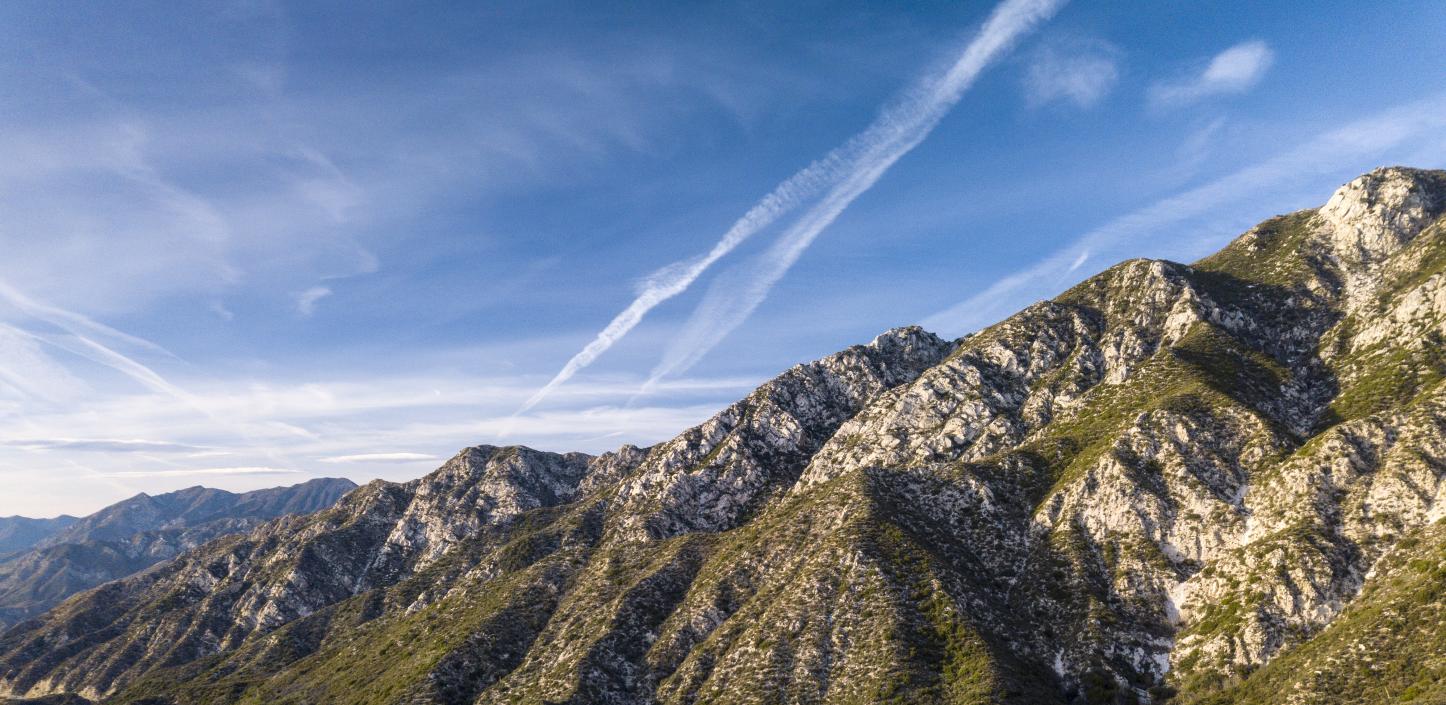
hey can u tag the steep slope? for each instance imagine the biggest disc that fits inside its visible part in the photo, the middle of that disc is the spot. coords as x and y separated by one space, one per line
1217 482
23 533
1386 646
139 532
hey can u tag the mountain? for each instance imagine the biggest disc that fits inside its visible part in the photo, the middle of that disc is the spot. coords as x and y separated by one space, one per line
21 533
195 506
139 532
1207 483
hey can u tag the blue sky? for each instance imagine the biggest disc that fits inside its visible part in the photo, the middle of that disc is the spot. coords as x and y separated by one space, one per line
251 243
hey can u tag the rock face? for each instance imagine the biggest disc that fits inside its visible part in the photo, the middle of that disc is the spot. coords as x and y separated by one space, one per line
139 532
1218 482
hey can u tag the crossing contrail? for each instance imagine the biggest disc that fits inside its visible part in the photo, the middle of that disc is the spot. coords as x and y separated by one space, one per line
841 176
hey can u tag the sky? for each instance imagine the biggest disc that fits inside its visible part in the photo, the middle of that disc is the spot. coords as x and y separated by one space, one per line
250 243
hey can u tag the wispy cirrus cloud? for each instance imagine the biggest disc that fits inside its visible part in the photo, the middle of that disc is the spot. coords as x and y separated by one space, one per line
836 179
199 472
242 185
78 335
1234 70
1081 72
379 458
27 371
104 445
306 300
237 180
1341 153
70 321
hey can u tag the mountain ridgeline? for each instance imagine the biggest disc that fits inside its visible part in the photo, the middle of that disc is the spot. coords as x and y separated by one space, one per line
22 533
1208 483
134 534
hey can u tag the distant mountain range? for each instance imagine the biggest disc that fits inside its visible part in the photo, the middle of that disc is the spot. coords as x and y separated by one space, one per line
22 533
1222 483
60 557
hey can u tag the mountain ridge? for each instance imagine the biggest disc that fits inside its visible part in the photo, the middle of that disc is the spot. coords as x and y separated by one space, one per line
1170 483
138 532
190 505
18 533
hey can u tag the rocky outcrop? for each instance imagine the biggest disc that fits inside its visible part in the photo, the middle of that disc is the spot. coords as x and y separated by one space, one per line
710 477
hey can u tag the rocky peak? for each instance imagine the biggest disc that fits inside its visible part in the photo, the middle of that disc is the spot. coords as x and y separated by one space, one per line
909 345
140 532
714 474
1375 214
480 486
612 466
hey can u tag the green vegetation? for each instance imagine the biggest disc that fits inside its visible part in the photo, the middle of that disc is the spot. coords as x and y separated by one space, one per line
1388 647
1427 252
947 655
1274 253
1206 371
1386 377
345 653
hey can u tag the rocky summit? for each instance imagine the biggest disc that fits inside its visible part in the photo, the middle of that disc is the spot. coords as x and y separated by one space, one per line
1209 483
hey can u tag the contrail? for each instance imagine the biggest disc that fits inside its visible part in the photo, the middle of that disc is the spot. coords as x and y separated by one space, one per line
902 129
850 168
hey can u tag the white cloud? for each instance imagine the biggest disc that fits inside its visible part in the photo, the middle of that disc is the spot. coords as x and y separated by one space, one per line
198 472
86 195
1078 72
1196 147
306 300
1079 261
70 321
46 378
1234 70
154 197
380 458
26 371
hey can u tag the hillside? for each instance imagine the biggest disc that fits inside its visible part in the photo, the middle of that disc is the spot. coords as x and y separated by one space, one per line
1206 483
